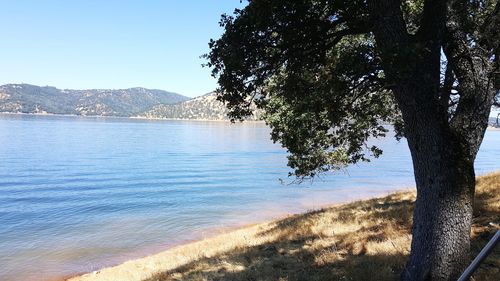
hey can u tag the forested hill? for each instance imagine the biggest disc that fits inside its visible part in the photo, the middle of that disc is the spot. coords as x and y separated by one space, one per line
25 98
205 107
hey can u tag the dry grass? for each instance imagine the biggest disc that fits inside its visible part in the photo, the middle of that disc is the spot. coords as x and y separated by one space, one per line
363 240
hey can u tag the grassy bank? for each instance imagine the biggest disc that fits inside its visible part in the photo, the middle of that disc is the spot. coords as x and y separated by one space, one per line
362 240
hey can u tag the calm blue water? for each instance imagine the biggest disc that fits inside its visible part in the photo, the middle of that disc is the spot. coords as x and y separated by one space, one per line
77 194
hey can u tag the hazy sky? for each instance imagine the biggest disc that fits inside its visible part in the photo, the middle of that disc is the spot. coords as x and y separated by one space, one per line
110 43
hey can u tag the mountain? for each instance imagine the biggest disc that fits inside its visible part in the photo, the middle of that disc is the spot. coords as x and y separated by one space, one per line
25 98
205 107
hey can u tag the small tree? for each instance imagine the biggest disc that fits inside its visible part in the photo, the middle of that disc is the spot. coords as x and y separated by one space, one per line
330 73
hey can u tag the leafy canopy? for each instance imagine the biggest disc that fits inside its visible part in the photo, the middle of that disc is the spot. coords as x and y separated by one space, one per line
313 66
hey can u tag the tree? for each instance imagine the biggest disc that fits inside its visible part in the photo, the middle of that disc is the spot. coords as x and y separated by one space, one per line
330 73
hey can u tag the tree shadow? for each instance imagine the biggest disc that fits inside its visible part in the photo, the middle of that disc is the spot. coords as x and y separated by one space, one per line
363 240
300 250
290 261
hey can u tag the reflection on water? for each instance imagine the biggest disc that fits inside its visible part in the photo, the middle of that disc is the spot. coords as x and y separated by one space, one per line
80 193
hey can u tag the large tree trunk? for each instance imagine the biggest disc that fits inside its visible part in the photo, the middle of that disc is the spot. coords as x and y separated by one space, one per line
443 153
443 164
443 212
443 145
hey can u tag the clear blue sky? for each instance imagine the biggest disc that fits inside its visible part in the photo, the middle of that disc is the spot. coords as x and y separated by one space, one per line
83 44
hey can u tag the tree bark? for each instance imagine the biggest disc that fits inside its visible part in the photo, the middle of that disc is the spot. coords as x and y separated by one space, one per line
443 150
444 174
442 217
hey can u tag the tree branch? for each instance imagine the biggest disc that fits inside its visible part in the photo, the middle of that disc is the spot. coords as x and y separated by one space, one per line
388 23
473 69
339 35
389 28
489 30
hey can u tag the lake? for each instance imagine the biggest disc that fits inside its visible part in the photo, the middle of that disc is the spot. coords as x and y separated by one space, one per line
77 194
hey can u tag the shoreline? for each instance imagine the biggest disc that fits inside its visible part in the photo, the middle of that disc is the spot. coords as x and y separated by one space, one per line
219 255
261 218
223 231
126 117
196 120
489 128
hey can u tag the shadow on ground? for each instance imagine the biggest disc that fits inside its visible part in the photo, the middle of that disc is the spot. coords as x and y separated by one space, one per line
364 240
295 263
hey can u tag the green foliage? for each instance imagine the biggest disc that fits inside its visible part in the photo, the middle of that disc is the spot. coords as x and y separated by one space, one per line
314 67
314 70
325 115
412 10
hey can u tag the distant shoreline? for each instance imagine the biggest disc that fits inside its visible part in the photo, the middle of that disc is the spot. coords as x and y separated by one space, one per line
125 117
489 128
184 119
